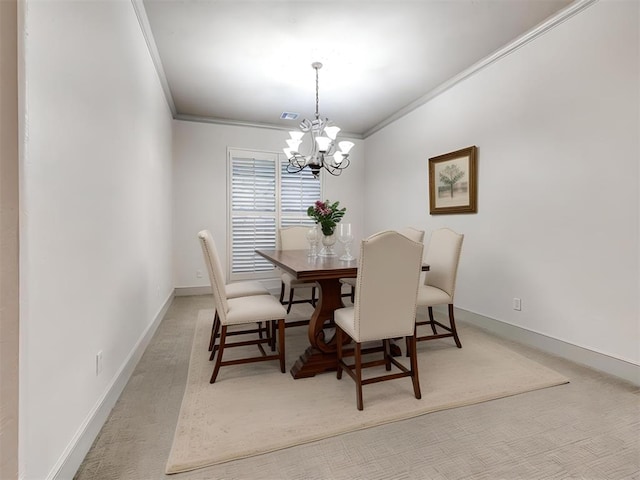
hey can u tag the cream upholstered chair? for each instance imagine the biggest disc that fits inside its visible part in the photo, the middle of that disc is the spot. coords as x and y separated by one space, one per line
294 238
409 232
233 290
386 289
443 256
240 311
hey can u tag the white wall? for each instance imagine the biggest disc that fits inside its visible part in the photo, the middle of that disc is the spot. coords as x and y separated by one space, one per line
96 227
557 129
200 188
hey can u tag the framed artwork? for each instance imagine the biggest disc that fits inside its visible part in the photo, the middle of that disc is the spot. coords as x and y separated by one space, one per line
453 182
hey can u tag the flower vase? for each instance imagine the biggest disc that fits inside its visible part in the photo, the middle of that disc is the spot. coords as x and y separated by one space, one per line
328 241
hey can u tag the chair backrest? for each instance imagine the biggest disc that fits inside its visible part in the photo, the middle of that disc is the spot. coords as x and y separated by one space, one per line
443 255
412 233
387 286
216 276
293 238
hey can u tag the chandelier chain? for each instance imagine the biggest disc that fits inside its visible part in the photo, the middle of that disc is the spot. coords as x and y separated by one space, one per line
317 96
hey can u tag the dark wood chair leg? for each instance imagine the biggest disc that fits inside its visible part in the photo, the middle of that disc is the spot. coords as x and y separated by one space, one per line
432 321
386 345
281 350
290 299
339 352
358 358
313 296
414 366
214 334
281 292
272 332
453 326
353 295
214 329
216 369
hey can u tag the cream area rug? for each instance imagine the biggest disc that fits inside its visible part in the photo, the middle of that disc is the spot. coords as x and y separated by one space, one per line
254 409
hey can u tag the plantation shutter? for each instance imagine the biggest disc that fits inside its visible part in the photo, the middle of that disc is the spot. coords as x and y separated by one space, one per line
298 192
253 211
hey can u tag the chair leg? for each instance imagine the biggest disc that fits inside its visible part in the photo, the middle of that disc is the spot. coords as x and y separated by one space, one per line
214 329
272 334
290 299
358 365
214 334
432 321
281 350
353 295
216 369
313 296
411 341
453 326
281 292
387 354
339 352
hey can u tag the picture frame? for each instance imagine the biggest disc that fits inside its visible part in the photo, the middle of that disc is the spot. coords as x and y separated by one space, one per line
453 182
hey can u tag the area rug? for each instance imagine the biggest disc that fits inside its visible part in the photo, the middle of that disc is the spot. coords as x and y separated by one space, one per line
253 409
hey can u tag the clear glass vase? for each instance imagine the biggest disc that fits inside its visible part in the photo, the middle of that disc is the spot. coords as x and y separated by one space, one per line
328 242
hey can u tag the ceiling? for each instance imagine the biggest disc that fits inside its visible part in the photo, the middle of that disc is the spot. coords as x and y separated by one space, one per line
247 62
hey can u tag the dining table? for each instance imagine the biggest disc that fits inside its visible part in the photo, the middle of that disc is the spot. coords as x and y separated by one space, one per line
320 356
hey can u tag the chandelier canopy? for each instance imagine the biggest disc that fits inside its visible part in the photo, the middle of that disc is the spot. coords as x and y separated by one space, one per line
323 150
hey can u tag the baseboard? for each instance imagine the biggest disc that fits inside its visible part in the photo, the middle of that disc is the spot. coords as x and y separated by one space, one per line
272 284
598 361
74 454
189 291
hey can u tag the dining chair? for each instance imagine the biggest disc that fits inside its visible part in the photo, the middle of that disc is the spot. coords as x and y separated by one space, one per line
240 311
389 268
410 232
443 256
233 290
294 238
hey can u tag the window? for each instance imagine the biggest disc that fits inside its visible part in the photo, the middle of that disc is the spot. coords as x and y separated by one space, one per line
263 196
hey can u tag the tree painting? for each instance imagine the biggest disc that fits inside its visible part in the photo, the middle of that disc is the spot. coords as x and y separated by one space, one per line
450 175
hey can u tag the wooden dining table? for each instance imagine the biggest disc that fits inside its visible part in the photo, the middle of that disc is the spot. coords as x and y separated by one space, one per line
321 355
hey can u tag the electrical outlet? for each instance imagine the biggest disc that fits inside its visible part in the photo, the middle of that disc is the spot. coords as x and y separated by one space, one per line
198 273
98 363
517 304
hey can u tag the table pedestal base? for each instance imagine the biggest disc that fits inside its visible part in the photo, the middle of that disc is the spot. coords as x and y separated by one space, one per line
313 361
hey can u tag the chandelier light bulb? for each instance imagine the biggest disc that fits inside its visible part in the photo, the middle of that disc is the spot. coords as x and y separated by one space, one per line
296 135
337 157
323 144
345 146
332 132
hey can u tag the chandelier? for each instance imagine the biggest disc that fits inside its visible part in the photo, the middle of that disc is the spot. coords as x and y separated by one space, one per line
323 150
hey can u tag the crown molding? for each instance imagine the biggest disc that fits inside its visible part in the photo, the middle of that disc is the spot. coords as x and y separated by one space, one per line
552 22
238 123
143 21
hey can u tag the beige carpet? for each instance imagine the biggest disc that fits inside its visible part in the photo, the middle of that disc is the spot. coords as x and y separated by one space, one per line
254 409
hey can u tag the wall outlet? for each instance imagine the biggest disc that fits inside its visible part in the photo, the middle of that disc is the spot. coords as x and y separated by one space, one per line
98 363
198 273
517 304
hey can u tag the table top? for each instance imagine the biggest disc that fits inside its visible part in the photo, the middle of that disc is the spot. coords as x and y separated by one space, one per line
299 264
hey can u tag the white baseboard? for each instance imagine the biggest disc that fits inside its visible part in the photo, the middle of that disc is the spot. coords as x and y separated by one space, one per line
598 361
72 457
189 291
272 284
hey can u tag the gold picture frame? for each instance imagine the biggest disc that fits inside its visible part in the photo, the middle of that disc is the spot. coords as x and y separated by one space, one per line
453 182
